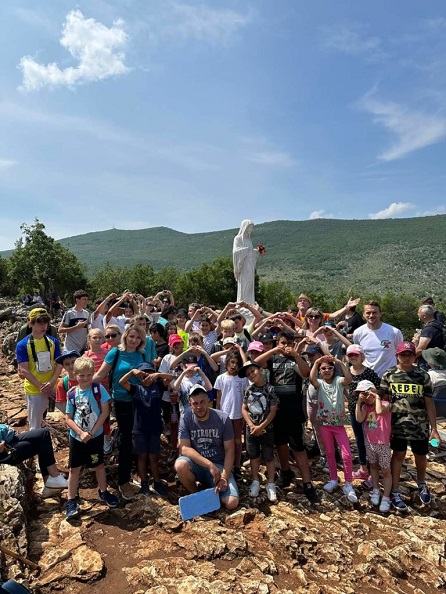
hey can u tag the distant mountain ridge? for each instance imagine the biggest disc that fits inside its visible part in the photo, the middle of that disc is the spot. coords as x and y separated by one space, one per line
391 255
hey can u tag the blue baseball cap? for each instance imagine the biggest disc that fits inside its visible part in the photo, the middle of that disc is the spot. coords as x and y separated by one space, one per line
61 358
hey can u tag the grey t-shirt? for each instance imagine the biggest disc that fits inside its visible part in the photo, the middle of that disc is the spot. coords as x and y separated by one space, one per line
207 437
76 340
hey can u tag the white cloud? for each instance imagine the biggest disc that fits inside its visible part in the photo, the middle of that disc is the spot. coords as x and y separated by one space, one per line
414 130
351 41
6 163
435 24
394 209
272 158
205 23
431 213
97 48
320 214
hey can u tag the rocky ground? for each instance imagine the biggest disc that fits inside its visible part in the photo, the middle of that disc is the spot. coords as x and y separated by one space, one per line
143 546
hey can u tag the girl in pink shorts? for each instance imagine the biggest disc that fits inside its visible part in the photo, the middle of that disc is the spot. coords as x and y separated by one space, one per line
375 415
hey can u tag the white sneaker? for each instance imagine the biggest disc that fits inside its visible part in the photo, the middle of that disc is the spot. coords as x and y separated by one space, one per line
56 482
384 506
331 486
271 492
375 496
47 492
350 492
254 489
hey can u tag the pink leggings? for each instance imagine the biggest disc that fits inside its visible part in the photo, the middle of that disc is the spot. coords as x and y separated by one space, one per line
330 434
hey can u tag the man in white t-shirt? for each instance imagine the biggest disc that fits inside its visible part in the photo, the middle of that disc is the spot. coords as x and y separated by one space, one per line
377 339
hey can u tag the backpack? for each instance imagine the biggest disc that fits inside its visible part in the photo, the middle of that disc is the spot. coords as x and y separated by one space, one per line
65 383
71 394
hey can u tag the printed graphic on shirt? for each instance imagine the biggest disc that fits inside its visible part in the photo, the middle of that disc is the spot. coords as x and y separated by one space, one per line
371 421
84 415
407 391
205 441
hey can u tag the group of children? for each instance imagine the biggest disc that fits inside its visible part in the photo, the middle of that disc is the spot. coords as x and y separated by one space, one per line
257 384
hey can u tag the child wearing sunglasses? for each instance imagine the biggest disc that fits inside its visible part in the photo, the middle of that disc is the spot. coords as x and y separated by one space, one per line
331 418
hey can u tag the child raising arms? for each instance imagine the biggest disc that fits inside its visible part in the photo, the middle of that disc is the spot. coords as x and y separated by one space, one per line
374 413
331 418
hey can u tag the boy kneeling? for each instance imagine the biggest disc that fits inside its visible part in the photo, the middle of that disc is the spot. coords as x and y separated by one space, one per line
87 408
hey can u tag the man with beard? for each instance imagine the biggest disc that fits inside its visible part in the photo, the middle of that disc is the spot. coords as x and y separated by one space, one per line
207 448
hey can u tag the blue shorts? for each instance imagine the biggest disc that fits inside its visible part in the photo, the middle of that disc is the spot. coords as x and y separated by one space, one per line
204 477
146 443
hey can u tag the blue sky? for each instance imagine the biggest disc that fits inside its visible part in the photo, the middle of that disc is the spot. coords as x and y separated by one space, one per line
196 115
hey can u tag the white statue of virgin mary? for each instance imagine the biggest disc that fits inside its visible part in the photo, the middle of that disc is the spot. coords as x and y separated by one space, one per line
244 257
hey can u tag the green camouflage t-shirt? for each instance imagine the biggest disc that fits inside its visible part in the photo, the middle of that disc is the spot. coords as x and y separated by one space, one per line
407 391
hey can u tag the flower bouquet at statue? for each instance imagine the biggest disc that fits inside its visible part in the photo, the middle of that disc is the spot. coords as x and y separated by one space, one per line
261 249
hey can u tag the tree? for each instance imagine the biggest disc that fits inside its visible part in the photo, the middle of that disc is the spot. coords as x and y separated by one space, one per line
5 279
108 279
39 262
212 284
275 296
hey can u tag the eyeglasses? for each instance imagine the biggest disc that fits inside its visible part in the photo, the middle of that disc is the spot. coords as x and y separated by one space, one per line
313 317
111 335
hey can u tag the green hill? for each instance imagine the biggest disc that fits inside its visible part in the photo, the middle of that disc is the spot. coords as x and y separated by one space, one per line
392 255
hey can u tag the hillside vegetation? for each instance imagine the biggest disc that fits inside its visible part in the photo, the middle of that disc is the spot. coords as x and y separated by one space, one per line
395 255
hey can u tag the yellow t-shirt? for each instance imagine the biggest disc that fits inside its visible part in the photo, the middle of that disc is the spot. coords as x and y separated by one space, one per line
25 354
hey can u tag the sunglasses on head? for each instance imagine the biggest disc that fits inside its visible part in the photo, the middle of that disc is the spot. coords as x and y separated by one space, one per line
111 335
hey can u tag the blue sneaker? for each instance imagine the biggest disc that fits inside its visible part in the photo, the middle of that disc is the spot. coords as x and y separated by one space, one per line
397 501
160 488
72 509
424 493
108 498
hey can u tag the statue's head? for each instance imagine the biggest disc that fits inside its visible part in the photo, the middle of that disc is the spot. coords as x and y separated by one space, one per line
246 227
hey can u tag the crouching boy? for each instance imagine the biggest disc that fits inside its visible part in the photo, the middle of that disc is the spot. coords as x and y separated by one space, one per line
87 408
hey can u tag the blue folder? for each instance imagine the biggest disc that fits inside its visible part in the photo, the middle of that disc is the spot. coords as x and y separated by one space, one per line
199 503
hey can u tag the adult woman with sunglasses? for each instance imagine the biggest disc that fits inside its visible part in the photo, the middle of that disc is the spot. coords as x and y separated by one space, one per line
119 361
112 335
36 358
314 320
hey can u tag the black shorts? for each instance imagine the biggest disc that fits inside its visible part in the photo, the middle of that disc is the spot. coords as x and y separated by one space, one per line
256 444
418 446
146 443
90 454
288 428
